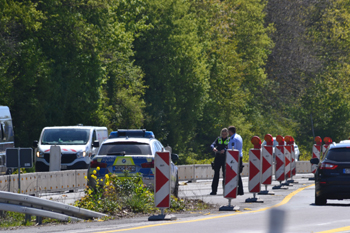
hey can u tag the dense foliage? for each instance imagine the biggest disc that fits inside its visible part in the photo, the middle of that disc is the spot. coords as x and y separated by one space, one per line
181 68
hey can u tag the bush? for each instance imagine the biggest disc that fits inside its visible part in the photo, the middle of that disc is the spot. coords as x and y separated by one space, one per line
116 195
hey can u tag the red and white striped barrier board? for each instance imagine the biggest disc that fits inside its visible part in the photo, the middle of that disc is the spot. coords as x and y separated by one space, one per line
162 179
324 148
254 184
279 173
287 160
293 163
266 169
231 174
316 151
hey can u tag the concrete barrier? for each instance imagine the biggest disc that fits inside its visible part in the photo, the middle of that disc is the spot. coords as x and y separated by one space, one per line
41 182
303 167
4 183
204 171
58 181
186 172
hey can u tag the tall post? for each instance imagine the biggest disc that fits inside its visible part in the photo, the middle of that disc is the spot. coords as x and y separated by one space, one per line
312 126
19 171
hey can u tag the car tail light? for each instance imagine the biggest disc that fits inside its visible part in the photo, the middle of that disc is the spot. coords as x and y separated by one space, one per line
328 166
148 165
95 164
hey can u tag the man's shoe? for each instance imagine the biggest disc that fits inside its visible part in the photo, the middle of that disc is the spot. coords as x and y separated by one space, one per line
212 193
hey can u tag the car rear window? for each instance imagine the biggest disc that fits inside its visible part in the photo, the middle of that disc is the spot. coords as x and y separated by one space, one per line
129 148
339 154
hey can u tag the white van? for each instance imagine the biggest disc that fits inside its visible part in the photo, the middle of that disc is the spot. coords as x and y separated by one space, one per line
6 137
78 145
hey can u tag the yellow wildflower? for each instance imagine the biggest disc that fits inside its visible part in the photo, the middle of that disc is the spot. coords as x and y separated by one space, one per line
107 176
98 168
90 191
94 171
85 177
107 183
101 180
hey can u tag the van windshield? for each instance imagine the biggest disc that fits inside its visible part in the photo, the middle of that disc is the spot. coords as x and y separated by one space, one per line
65 136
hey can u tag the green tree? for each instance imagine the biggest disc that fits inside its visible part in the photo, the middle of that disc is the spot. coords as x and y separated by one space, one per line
176 74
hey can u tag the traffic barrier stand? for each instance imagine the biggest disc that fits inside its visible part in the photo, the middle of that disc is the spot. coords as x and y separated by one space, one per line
254 183
162 162
231 179
316 152
292 161
279 161
287 160
267 158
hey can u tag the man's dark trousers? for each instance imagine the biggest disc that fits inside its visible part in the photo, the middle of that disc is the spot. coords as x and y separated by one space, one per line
240 184
219 162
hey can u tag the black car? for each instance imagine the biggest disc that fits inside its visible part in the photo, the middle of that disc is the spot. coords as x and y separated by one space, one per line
332 178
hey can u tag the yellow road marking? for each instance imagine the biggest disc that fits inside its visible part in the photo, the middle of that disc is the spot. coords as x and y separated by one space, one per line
336 230
283 202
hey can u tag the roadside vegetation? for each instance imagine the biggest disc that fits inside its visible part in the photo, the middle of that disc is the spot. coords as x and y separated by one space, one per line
116 196
12 220
120 196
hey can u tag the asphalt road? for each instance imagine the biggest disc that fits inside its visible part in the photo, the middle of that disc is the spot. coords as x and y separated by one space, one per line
289 210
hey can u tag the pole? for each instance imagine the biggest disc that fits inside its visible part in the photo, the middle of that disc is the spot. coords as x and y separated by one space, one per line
312 126
19 171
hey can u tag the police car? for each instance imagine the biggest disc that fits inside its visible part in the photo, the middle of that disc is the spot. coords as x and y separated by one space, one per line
134 151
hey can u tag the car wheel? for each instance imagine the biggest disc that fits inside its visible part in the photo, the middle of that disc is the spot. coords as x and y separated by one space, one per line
320 200
176 189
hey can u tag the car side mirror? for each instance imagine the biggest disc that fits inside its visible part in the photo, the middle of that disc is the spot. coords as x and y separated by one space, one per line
315 161
174 157
96 143
35 143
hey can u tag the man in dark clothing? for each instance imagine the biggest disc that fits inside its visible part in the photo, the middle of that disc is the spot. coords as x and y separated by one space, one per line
219 146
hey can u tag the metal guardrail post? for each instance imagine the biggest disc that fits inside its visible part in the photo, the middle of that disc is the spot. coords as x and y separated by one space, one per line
39 220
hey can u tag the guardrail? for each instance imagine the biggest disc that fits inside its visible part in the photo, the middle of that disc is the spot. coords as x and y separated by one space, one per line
44 182
44 208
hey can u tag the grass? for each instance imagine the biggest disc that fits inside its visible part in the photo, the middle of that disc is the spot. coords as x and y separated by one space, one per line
13 219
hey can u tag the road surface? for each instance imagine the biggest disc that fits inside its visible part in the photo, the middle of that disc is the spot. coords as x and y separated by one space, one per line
289 210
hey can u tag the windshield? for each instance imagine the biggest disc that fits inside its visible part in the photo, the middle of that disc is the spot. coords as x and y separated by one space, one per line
275 143
65 136
339 154
132 148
